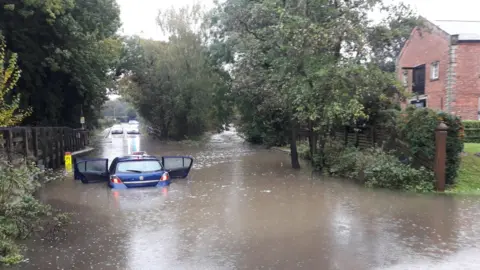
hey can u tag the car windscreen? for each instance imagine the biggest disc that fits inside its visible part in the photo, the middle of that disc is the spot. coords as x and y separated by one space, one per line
138 166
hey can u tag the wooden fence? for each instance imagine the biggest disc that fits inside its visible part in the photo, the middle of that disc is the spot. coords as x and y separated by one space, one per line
373 136
362 138
44 145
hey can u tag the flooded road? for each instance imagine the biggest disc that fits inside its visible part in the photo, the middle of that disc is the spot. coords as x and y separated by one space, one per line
242 207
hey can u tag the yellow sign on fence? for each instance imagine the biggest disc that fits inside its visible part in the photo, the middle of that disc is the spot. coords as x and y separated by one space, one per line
68 162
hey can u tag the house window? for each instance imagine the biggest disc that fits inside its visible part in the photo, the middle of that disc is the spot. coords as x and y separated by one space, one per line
418 80
434 70
422 103
405 78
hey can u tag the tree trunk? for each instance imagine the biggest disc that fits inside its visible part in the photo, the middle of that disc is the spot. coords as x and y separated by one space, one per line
312 140
321 151
293 147
314 149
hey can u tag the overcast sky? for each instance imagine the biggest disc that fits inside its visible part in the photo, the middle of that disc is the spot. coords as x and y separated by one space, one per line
138 16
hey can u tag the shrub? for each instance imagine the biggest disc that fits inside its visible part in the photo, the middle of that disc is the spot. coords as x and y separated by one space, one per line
472 131
416 127
20 213
377 168
303 150
330 153
384 170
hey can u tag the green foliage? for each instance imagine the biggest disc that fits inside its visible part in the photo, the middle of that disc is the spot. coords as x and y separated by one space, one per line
20 213
417 128
386 171
174 85
106 122
117 107
9 75
131 113
67 51
269 128
315 63
304 151
472 131
376 168
389 36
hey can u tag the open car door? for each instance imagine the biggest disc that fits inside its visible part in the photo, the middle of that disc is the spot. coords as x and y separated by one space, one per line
91 170
177 166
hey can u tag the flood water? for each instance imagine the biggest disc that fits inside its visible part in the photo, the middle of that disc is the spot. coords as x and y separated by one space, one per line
242 207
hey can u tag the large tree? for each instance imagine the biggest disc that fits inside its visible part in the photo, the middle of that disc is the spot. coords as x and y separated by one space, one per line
67 50
301 64
174 84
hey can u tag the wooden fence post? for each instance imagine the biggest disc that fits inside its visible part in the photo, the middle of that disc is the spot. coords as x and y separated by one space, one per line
43 140
440 155
25 144
372 130
7 136
35 144
77 140
68 140
58 150
49 146
356 137
62 141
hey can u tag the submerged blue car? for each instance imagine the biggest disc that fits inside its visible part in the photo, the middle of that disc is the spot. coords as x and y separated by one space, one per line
133 170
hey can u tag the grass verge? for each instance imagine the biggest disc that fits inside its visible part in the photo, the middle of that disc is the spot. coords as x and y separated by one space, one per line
468 179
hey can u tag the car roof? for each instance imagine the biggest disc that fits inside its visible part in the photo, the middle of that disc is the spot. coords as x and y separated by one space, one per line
136 157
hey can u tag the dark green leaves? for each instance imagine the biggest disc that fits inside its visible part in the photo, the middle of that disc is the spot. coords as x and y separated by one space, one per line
67 52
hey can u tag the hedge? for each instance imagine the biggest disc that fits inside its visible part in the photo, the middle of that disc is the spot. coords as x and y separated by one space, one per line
472 131
417 128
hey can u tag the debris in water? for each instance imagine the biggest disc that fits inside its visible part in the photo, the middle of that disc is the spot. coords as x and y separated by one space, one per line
266 191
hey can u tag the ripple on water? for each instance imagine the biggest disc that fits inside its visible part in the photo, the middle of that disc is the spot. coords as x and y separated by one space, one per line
244 208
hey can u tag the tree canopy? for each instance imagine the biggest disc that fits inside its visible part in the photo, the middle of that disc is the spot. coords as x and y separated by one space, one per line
174 85
312 64
9 74
67 51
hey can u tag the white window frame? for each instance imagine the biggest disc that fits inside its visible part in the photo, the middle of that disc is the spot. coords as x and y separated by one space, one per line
435 70
405 77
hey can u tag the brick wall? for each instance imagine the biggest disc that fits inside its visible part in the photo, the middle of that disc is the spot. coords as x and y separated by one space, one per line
467 88
426 47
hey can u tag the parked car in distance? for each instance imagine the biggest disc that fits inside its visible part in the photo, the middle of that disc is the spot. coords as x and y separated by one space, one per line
117 129
133 129
133 122
133 170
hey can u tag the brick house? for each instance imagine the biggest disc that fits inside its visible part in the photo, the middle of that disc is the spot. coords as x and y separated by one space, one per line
440 64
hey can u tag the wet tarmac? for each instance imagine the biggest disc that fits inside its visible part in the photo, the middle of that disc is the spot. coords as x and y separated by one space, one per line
242 207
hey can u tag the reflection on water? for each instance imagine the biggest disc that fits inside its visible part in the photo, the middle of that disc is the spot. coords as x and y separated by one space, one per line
242 207
133 143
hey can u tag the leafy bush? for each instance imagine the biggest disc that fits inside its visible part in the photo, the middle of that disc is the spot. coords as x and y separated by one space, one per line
20 213
303 150
417 128
472 131
384 170
376 168
342 163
